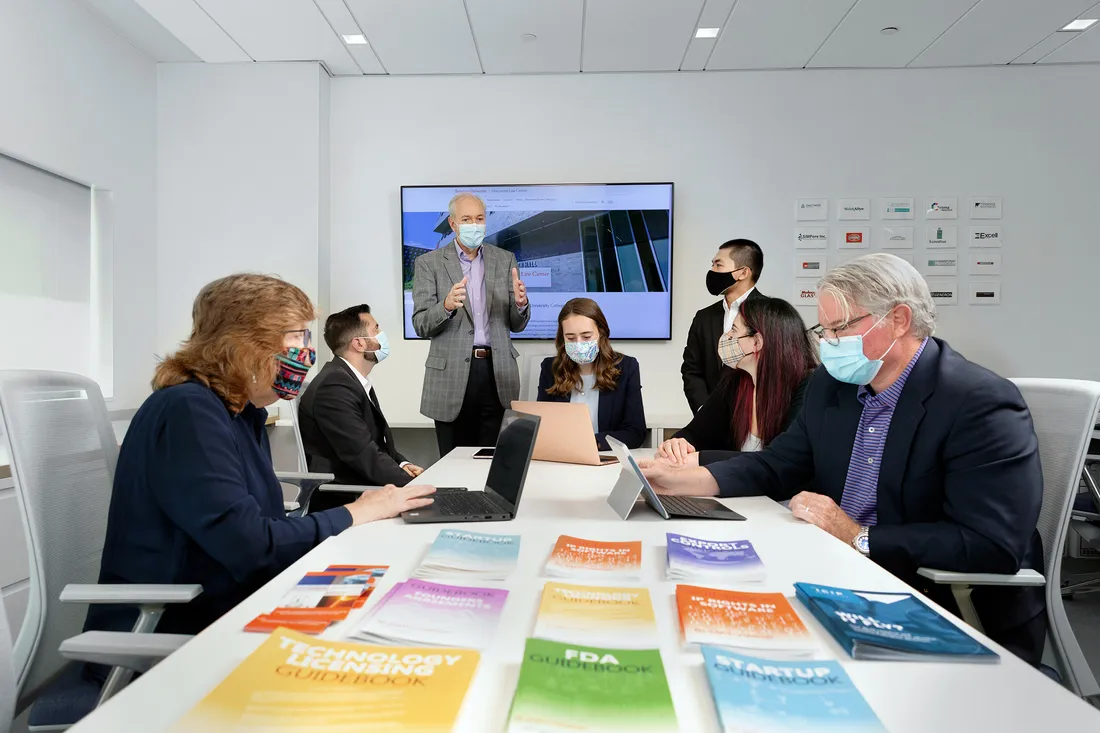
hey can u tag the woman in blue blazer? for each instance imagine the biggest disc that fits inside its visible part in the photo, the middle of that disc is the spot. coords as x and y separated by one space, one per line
588 371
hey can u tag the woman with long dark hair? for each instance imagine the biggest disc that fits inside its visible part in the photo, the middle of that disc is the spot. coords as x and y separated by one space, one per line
587 370
771 359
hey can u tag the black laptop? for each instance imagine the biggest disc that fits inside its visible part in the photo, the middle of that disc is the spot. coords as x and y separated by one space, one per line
507 474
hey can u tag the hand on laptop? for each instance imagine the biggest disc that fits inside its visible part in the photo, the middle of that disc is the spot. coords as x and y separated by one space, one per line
412 469
387 502
677 451
682 481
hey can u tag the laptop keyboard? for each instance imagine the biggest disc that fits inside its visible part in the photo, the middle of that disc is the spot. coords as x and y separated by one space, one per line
686 506
466 502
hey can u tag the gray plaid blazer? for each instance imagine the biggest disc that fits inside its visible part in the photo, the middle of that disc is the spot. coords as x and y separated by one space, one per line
448 366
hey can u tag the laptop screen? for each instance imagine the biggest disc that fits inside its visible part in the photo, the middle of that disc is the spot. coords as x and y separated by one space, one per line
515 443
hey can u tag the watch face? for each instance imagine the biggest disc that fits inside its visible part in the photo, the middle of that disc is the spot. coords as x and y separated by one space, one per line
863 543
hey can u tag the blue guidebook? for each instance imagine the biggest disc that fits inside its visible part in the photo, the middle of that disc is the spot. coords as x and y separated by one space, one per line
473 555
754 695
690 558
889 626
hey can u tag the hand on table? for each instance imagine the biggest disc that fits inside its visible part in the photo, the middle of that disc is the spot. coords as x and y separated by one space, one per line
822 512
389 501
678 480
456 296
412 469
519 290
676 452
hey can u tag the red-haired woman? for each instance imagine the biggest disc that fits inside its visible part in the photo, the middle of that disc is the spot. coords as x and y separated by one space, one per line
589 371
772 359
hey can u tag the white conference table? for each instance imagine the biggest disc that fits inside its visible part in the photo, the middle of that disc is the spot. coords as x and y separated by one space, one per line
564 499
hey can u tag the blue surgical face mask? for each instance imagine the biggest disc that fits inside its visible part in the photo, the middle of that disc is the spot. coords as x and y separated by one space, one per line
846 362
383 347
471 235
582 352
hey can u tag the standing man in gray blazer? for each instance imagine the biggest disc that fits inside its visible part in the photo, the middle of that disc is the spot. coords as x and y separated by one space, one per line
467 298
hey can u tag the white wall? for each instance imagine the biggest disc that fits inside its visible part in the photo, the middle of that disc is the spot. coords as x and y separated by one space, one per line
81 102
740 148
239 178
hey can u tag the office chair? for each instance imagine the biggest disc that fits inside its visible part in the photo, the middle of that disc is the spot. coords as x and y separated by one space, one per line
306 482
532 370
7 675
1064 412
63 454
1085 522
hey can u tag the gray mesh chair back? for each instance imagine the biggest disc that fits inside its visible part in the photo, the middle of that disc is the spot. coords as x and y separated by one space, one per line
303 466
1064 412
7 675
63 454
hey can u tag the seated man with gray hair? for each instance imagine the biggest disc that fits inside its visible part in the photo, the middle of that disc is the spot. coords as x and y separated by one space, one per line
917 457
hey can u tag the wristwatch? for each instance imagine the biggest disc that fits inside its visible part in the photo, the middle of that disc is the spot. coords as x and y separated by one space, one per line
862 541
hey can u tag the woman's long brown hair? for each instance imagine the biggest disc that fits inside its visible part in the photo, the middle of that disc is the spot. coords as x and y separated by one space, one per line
567 373
239 324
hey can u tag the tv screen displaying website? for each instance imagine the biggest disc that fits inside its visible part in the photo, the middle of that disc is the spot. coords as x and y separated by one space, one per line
608 242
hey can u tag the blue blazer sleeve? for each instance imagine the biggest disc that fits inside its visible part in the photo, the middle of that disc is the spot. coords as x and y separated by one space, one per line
546 381
199 481
625 421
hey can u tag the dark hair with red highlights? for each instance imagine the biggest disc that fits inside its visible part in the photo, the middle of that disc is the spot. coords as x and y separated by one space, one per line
239 324
783 361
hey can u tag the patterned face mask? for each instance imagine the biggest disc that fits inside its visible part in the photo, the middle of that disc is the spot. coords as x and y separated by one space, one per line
730 351
582 352
294 364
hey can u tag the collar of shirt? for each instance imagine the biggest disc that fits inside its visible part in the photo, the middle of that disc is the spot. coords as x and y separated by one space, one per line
365 381
727 307
889 397
465 257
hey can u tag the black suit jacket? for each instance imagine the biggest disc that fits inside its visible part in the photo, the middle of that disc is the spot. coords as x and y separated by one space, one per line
345 433
702 370
621 414
960 485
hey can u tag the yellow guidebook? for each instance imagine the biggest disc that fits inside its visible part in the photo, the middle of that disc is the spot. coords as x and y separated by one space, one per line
621 618
295 682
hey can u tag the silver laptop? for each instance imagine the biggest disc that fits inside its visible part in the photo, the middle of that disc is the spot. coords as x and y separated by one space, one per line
633 482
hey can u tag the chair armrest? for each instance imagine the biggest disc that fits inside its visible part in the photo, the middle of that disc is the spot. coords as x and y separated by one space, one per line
347 488
289 506
1027 576
138 652
296 478
133 594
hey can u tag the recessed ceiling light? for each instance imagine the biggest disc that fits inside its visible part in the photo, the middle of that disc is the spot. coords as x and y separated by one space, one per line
1080 24
889 30
707 32
357 39
528 38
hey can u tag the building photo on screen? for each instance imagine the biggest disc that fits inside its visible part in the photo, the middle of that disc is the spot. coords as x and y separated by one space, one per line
608 242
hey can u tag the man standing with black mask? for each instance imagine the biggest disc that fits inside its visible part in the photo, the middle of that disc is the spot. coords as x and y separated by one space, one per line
733 275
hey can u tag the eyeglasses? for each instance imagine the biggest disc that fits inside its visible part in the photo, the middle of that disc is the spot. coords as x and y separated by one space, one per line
831 336
307 335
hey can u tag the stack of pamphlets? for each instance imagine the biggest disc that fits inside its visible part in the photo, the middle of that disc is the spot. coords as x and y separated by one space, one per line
757 622
321 599
300 683
889 626
578 558
581 614
419 612
755 695
472 555
689 558
574 688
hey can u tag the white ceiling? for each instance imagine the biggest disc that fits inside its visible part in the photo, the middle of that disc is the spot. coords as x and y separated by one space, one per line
494 36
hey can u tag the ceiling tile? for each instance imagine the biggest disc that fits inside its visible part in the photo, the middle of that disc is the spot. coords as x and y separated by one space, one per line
281 30
858 42
343 23
1080 47
131 21
638 35
422 37
1043 48
195 29
715 14
776 34
500 24
997 31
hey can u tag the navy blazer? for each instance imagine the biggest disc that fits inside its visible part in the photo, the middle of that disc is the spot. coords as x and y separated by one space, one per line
621 414
195 500
960 485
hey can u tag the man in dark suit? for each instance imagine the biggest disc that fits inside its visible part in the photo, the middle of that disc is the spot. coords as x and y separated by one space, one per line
918 457
343 429
733 275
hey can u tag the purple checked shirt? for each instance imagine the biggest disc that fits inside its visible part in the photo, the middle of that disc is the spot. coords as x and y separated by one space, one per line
860 498
474 272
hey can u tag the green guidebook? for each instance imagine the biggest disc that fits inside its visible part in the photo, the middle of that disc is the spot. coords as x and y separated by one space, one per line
568 687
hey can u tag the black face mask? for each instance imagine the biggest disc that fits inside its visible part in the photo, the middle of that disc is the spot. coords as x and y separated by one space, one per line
719 282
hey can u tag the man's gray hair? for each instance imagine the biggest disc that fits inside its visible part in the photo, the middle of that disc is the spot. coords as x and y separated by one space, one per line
459 197
879 282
